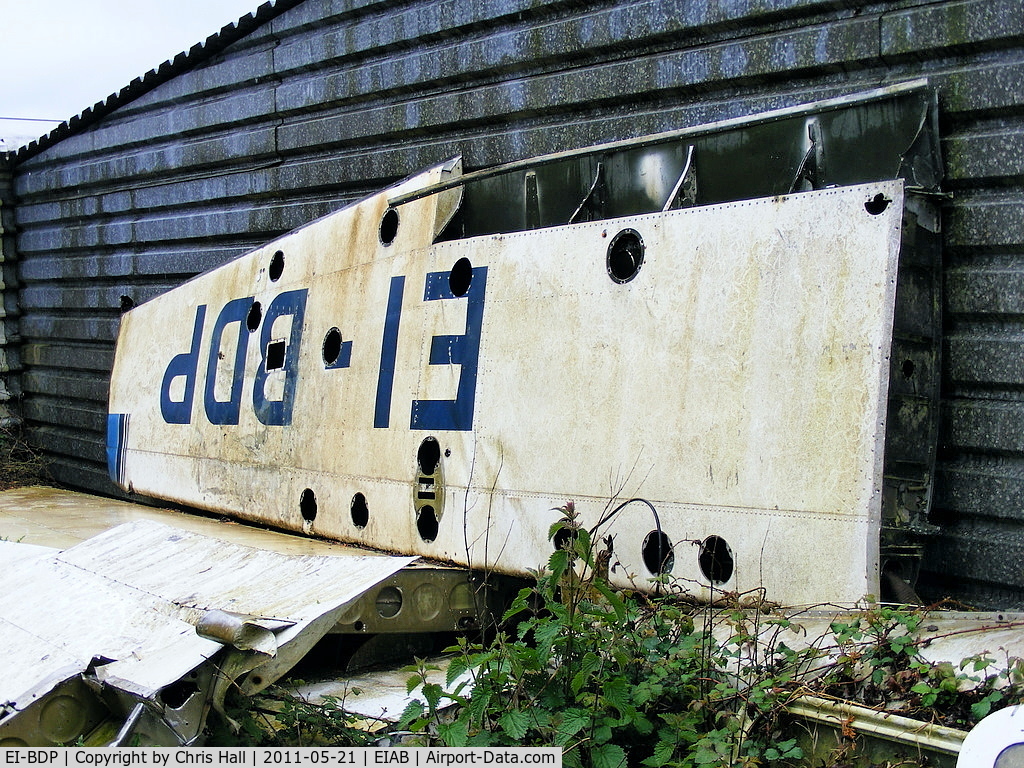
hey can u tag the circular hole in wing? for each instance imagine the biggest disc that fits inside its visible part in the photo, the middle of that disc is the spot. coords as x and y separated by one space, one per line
426 523
276 266
1011 756
389 226
307 505
360 512
252 320
625 256
908 368
564 538
877 204
428 455
332 346
657 553
388 602
460 277
715 559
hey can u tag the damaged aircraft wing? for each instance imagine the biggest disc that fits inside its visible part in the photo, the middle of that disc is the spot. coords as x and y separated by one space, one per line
139 618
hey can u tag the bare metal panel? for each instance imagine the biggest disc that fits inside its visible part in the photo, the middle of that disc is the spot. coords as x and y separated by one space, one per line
122 608
58 518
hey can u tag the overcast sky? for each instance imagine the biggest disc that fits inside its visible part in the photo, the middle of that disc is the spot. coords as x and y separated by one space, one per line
58 57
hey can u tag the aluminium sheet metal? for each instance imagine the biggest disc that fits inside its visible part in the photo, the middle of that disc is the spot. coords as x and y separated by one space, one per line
737 382
60 518
131 597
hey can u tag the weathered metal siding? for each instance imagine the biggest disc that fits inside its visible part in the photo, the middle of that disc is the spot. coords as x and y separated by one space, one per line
326 101
8 305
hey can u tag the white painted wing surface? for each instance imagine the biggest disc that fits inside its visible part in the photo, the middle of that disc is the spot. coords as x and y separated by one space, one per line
132 596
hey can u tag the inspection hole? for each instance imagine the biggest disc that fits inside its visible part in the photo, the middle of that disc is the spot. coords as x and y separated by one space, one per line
256 680
565 537
1010 757
307 505
460 277
657 553
252 320
388 602
625 256
716 559
360 512
332 346
275 355
389 226
428 455
177 694
127 302
276 266
877 204
426 523
908 368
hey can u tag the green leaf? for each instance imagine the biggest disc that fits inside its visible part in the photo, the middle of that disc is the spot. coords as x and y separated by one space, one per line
453 734
545 634
582 544
574 720
432 693
589 664
982 662
480 738
478 704
608 756
704 756
983 707
557 526
616 693
613 599
663 752
557 563
515 724
413 682
456 667
520 604
413 711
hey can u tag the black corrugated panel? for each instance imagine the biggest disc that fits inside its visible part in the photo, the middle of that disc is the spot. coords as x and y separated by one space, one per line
312 104
10 362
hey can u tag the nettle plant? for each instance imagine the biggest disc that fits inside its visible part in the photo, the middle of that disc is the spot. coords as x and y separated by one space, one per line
621 679
609 677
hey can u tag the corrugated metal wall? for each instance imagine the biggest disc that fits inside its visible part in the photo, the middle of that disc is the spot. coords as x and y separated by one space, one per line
327 100
9 353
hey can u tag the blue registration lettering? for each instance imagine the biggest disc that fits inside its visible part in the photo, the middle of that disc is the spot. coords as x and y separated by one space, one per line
279 412
182 366
457 349
388 354
226 412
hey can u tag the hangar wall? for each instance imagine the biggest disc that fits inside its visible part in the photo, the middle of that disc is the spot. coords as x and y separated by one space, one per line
310 104
9 352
